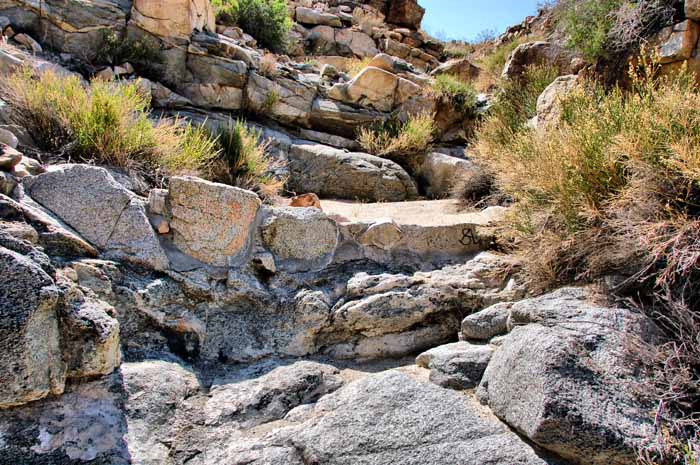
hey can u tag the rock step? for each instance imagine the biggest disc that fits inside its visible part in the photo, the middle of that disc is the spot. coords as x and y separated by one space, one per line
431 231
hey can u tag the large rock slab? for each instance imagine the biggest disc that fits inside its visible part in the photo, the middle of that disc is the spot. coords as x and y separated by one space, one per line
301 239
112 218
387 315
315 17
212 222
336 173
74 26
339 118
271 396
538 54
85 425
405 13
31 366
391 418
286 100
561 378
173 18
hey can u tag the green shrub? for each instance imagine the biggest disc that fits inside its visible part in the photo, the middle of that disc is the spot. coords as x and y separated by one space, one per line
143 54
267 21
403 142
105 122
243 161
459 93
587 24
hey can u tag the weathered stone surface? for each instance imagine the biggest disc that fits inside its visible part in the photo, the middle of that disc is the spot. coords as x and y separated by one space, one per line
286 100
214 96
85 425
71 27
54 236
405 13
460 68
7 138
376 88
358 43
486 324
89 200
692 9
560 378
394 314
440 172
272 396
173 18
217 70
335 173
7 183
212 222
9 157
677 42
315 17
549 103
301 239
538 53
456 366
339 118
392 418
90 337
31 366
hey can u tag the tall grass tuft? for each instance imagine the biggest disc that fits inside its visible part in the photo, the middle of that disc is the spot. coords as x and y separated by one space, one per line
461 95
243 160
403 142
105 122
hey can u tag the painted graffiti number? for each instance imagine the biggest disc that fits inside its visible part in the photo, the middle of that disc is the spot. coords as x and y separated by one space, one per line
468 237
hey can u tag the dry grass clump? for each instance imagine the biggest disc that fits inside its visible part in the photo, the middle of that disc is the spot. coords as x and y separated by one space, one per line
402 142
616 189
105 122
356 65
243 161
268 65
461 95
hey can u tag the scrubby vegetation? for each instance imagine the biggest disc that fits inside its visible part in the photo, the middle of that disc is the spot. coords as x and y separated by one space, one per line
615 189
596 28
105 122
267 21
143 54
459 93
403 142
109 123
356 65
243 160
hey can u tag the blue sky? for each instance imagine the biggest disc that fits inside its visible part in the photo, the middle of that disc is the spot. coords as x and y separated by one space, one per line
464 19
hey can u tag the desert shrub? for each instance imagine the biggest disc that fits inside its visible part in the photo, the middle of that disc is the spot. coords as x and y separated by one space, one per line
615 188
143 54
459 93
243 160
587 24
267 21
597 28
515 105
403 142
105 122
